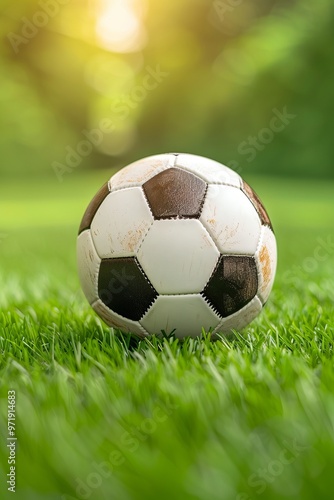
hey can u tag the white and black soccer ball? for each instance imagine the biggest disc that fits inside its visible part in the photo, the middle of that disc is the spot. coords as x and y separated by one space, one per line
176 243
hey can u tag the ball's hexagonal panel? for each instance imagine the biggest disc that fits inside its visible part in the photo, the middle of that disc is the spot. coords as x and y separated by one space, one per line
233 284
88 265
124 288
266 259
257 204
178 256
175 193
140 171
240 319
186 314
116 321
121 223
208 170
231 220
92 207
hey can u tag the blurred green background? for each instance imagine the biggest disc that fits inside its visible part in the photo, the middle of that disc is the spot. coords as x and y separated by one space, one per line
200 76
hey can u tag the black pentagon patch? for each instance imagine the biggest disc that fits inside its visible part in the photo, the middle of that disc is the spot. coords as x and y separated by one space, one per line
233 284
175 193
93 207
124 287
257 204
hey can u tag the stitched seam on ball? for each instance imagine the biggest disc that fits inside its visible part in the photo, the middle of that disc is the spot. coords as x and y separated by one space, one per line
129 184
203 222
142 191
176 217
240 310
187 294
126 186
259 243
147 310
257 259
99 301
96 274
210 236
205 180
143 239
211 306
147 202
234 314
224 184
191 172
151 285
202 205
206 299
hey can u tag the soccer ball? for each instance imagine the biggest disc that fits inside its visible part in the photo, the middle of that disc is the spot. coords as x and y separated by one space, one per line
176 243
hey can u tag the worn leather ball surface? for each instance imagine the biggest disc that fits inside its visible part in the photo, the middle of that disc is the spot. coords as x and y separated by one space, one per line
176 243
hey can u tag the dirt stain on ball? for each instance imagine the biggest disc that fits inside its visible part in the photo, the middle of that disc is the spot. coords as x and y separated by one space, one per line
265 265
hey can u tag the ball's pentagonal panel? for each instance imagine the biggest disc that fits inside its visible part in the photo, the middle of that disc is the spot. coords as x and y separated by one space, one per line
92 207
124 288
266 259
233 284
178 256
186 314
175 193
231 219
240 319
257 204
117 321
88 265
121 223
140 171
208 170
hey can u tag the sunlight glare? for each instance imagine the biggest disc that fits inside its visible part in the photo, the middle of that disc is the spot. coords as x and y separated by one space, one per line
119 25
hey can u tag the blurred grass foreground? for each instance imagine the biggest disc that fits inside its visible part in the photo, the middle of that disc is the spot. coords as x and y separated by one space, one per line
99 417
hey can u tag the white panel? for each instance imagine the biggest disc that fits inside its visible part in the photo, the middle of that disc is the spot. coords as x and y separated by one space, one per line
209 170
120 223
232 220
266 260
116 321
185 313
240 319
141 171
88 265
178 256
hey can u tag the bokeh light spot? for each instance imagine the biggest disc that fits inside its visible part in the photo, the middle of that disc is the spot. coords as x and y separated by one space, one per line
119 26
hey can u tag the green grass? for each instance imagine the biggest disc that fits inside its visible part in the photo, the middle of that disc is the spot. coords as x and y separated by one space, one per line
242 419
